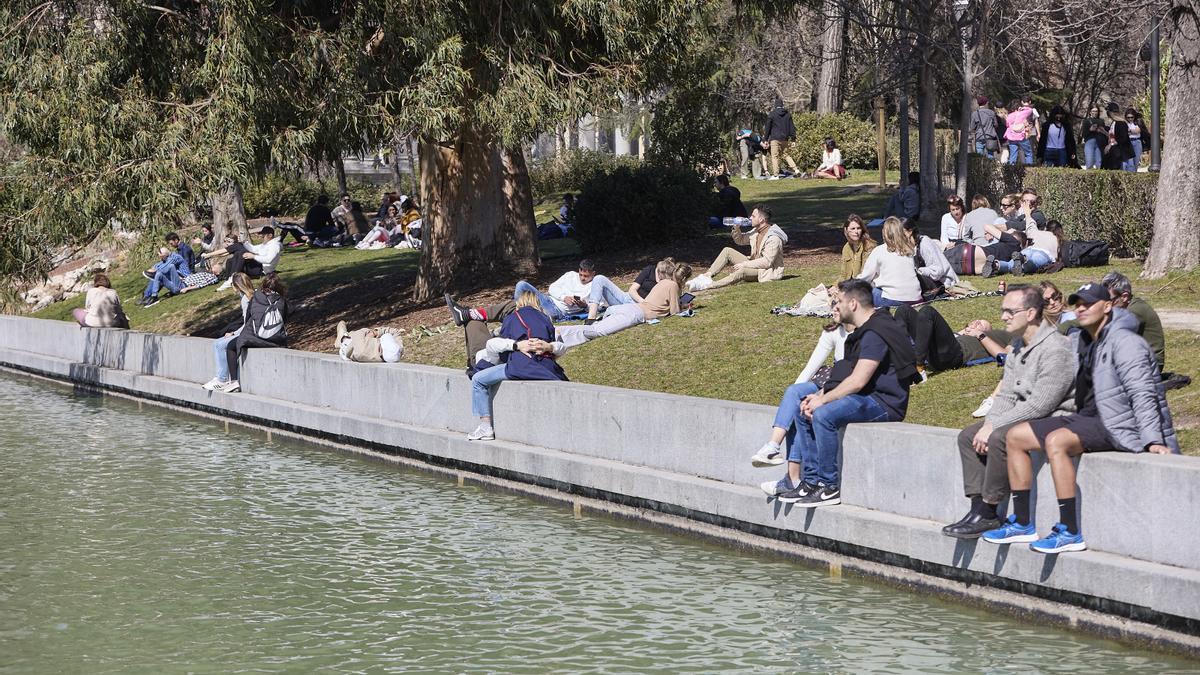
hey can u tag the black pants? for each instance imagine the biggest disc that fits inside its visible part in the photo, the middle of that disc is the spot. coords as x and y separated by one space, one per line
296 231
985 475
932 337
246 340
237 263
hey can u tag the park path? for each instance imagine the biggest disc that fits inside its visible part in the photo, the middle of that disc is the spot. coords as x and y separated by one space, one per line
1183 319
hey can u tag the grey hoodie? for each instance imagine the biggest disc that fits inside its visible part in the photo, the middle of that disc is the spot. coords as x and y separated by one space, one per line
1127 385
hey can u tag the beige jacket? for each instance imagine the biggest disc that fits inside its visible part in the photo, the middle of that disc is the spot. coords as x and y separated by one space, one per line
766 251
364 344
104 309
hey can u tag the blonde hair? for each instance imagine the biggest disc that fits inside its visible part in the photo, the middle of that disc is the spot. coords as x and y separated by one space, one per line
682 273
241 281
665 267
528 299
980 202
896 237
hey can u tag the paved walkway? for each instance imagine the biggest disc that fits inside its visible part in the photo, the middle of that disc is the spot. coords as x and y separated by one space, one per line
1183 319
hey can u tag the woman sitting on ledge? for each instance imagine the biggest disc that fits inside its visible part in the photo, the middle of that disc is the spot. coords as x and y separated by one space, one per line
524 350
245 289
102 308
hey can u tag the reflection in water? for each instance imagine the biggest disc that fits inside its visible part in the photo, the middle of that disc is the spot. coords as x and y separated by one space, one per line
144 541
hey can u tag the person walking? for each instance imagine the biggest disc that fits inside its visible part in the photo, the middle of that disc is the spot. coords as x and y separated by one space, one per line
1094 136
1056 146
780 131
1119 149
985 128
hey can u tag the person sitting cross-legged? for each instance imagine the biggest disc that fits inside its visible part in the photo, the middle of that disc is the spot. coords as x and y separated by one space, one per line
832 341
1032 387
765 262
256 260
870 385
1121 405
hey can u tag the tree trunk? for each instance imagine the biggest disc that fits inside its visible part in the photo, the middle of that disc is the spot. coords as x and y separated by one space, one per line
829 84
1176 241
229 212
964 123
926 109
397 174
478 214
902 128
340 167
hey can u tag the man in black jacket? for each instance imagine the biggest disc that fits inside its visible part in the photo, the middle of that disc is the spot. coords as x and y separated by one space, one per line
869 385
780 132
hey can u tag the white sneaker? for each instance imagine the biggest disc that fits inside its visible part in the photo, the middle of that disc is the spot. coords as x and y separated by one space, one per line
212 384
230 387
227 285
482 433
984 408
699 283
767 455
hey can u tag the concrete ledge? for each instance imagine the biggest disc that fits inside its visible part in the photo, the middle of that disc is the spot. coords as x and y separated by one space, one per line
682 456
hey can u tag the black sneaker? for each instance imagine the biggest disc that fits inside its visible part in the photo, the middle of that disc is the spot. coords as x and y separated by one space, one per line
797 493
1175 380
150 301
460 314
148 275
825 496
1018 263
989 267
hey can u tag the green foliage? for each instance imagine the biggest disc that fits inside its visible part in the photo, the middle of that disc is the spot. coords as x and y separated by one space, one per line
855 138
1115 206
691 125
276 194
635 205
569 170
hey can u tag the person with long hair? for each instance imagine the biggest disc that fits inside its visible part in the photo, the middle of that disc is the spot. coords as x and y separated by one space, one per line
1133 120
266 317
525 349
1056 146
953 228
245 289
101 306
890 269
1119 149
858 246
831 161
1093 133
661 302
832 341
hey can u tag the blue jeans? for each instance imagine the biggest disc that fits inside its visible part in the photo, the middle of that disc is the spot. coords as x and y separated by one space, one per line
880 301
1026 148
1132 164
165 276
219 347
981 149
818 441
482 384
1035 259
1092 154
1055 157
544 300
605 292
785 417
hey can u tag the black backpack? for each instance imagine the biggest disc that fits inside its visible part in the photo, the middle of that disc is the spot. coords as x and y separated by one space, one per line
1085 253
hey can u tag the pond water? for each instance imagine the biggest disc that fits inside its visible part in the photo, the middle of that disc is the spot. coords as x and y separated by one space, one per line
152 541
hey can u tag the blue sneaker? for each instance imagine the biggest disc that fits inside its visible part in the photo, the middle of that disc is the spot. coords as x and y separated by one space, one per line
1059 541
1012 532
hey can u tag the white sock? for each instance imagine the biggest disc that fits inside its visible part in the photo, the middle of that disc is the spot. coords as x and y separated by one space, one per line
775 445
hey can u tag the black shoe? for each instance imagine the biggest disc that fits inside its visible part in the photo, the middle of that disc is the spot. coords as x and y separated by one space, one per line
148 275
150 301
1175 381
989 267
797 493
828 495
1018 263
588 322
460 314
958 522
971 527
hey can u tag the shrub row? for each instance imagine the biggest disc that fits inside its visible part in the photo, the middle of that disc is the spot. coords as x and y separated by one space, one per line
281 195
569 170
627 206
1114 206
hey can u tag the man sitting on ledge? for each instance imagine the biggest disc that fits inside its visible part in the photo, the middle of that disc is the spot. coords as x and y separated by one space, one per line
1033 386
1121 406
869 385
766 254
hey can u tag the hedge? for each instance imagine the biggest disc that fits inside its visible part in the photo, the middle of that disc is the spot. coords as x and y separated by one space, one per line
569 170
279 195
1114 206
857 139
629 206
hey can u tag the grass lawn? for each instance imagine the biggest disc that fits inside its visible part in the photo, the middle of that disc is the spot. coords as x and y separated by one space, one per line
732 349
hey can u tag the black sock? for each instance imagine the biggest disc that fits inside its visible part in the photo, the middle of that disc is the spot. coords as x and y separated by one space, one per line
1021 506
976 503
1066 515
986 510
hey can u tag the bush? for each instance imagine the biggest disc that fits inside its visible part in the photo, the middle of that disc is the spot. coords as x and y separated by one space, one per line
855 137
568 171
280 195
636 205
1114 206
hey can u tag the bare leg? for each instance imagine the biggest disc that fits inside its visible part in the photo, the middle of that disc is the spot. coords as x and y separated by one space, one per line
1020 441
1061 446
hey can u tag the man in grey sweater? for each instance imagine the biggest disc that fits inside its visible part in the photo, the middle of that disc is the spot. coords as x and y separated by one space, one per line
1033 386
1121 406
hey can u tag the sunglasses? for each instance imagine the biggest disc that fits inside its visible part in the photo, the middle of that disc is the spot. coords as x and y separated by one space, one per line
1054 297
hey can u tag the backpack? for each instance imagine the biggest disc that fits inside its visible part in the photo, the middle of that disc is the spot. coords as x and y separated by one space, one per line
267 314
1084 253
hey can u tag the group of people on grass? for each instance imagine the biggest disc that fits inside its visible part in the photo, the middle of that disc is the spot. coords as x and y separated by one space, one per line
1115 140
755 149
396 224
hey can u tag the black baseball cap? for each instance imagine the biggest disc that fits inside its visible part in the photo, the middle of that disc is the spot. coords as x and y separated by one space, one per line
1089 293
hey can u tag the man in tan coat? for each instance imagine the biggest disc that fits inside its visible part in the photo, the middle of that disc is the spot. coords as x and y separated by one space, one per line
369 345
766 254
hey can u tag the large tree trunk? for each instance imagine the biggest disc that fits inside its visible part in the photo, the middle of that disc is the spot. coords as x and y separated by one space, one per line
1176 242
340 167
229 212
829 84
931 187
964 122
478 219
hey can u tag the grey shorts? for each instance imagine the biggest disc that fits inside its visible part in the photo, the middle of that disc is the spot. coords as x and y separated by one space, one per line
1090 430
